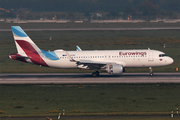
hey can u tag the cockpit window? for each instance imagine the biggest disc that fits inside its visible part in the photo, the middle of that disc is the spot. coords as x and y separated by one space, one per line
162 55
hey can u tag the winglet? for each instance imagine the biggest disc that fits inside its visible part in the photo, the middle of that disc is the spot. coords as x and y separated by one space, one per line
70 58
78 48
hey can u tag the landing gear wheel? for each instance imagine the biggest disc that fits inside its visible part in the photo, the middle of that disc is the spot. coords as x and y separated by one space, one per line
151 71
95 74
151 74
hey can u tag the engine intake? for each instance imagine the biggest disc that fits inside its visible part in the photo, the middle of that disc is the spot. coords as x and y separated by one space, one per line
115 69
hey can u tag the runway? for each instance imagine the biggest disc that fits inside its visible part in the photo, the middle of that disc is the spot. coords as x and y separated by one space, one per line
78 78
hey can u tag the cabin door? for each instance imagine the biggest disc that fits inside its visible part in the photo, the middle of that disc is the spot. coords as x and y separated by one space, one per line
150 56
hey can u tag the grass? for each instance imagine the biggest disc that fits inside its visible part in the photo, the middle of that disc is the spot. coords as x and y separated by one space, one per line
138 118
113 118
89 99
4 25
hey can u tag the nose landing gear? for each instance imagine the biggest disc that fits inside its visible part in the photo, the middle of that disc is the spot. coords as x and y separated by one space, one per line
150 71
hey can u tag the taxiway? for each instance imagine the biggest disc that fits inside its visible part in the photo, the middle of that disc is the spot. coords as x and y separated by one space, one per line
76 78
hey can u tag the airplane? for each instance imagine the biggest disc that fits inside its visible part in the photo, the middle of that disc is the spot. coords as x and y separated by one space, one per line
111 61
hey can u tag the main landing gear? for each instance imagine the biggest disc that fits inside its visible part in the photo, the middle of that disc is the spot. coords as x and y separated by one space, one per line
95 73
150 71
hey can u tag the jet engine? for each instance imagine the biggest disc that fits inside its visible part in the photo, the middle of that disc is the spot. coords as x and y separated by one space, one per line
115 69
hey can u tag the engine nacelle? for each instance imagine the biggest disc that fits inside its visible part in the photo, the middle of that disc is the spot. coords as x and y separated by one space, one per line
115 69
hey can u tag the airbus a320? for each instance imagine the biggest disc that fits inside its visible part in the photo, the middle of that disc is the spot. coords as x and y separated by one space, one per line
112 61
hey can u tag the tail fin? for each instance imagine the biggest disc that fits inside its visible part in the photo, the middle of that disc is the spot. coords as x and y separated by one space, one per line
24 44
26 48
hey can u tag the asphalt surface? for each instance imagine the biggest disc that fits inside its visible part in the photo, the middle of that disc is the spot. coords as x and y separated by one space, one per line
66 78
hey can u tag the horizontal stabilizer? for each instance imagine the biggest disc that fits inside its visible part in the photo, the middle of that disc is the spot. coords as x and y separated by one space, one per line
18 56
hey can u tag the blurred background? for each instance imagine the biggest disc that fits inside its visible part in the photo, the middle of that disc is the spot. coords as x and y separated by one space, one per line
89 10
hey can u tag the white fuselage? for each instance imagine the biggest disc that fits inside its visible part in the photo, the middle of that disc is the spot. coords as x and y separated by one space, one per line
127 58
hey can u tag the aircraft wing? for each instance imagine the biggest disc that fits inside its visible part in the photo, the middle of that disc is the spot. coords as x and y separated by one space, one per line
88 62
93 64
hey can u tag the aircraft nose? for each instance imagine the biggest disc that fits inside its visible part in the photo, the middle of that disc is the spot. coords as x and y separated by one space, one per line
170 60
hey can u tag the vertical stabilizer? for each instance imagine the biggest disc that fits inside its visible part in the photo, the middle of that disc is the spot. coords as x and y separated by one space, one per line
26 48
23 43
